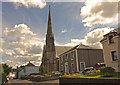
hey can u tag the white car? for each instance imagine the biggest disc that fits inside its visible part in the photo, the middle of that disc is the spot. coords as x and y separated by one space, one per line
88 69
55 72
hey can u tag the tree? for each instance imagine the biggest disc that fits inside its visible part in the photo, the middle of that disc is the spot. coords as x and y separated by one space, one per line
1 72
5 69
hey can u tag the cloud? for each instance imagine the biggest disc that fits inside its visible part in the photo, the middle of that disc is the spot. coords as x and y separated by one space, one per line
92 38
100 12
76 42
30 3
63 31
19 43
19 32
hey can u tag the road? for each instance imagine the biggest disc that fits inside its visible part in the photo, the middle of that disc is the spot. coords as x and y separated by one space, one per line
26 82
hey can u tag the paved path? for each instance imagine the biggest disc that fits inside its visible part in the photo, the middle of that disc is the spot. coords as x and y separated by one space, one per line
27 82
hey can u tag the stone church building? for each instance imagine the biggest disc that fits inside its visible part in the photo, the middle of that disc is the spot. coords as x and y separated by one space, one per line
52 53
49 53
50 58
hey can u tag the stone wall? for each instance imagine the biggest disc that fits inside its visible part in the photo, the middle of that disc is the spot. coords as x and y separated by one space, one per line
39 79
89 81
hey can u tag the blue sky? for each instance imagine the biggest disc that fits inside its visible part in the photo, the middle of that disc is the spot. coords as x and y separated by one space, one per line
65 16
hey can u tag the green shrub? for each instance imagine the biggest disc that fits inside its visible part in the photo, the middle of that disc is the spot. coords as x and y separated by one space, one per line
107 70
43 69
76 75
47 75
24 75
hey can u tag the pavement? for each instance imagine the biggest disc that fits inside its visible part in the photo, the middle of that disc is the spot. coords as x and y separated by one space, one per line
27 82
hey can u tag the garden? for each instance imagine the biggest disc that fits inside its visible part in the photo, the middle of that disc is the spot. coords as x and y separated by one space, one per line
104 72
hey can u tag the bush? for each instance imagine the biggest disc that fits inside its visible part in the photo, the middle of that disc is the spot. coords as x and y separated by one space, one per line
77 75
24 75
43 69
47 75
107 70
66 75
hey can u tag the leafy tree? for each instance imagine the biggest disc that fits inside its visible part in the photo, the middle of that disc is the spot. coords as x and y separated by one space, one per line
5 70
1 72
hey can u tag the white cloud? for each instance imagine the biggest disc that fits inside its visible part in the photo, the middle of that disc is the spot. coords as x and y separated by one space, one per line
19 43
92 38
30 3
100 12
63 31
75 42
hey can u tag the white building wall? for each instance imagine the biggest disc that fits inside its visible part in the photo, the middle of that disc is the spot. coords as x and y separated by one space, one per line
20 73
28 70
31 69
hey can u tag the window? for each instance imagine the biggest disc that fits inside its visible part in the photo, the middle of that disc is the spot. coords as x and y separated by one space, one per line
111 40
61 58
114 55
82 66
61 68
66 57
72 55
66 67
72 67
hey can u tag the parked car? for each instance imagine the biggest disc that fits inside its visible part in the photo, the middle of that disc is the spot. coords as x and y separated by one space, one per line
55 72
88 69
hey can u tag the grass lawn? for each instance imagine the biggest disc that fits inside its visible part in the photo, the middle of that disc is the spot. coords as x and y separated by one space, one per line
92 75
103 72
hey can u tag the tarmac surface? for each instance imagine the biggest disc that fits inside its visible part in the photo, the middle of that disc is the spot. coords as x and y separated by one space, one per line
27 82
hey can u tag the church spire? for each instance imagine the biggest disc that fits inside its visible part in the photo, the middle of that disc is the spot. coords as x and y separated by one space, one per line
49 27
49 52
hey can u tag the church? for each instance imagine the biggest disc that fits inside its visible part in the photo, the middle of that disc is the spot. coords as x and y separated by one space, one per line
53 56
50 58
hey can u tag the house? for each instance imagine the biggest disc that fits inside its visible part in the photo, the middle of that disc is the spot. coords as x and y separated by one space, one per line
27 70
111 49
79 57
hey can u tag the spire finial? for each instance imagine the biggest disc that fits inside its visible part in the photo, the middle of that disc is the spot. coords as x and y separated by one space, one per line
49 6
49 29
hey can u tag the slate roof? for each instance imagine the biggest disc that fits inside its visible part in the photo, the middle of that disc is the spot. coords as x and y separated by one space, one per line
80 46
29 64
61 49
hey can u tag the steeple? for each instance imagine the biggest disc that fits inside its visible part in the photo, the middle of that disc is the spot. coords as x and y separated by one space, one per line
49 36
49 52
49 27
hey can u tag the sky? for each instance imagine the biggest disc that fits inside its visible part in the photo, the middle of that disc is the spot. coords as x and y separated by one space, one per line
66 20
24 26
